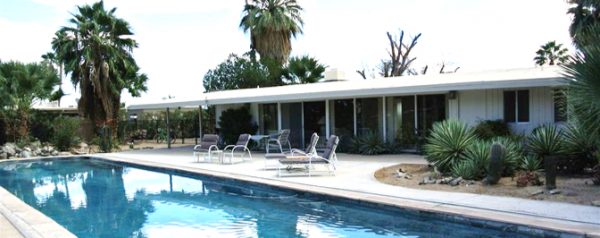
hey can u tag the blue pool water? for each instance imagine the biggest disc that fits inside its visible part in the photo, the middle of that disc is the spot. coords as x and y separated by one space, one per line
92 198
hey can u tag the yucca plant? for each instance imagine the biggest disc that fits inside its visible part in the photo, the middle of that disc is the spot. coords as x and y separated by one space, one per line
546 142
479 154
447 143
371 144
393 147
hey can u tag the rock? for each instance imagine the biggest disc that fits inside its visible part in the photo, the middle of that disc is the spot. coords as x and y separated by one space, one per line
456 181
426 180
570 193
555 191
37 151
10 151
18 150
25 154
596 203
400 174
64 153
446 180
538 192
83 145
54 153
470 182
3 155
408 176
27 149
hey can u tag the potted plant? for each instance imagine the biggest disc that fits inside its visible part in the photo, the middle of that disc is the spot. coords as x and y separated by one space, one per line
546 143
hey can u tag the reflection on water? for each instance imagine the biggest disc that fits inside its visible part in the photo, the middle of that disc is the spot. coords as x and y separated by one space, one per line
96 199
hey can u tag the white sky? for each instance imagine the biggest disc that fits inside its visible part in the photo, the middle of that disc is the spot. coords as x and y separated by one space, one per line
180 40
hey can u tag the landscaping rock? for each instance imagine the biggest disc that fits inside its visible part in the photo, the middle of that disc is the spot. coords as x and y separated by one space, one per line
555 191
3 155
445 180
27 149
470 182
25 154
456 181
426 180
596 203
64 153
538 192
54 153
9 151
37 151
408 176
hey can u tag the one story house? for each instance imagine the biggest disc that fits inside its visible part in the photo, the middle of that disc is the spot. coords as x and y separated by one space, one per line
391 106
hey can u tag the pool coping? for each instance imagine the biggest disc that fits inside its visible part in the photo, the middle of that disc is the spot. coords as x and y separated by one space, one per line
518 223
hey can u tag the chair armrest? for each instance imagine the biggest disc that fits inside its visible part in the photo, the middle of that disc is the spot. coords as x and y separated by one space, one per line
213 148
233 147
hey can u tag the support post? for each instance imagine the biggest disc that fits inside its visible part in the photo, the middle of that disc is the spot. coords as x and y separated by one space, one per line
355 125
302 119
279 117
199 124
327 130
384 119
168 131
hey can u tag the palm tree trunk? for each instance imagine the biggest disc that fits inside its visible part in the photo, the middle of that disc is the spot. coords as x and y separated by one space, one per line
60 85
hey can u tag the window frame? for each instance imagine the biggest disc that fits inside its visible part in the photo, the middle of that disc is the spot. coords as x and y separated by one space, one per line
516 91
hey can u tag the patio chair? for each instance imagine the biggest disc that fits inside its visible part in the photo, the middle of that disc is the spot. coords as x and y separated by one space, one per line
206 148
282 139
241 147
310 149
328 159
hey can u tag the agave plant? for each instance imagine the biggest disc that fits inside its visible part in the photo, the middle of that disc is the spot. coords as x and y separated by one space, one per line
371 144
531 164
479 155
514 154
469 169
393 147
581 146
447 143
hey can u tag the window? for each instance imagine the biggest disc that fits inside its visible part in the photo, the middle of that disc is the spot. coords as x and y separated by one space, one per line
560 106
268 120
516 106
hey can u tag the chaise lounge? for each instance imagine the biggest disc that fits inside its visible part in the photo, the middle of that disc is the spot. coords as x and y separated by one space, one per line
328 159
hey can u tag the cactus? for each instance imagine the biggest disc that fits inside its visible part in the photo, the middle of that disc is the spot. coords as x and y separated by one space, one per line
496 156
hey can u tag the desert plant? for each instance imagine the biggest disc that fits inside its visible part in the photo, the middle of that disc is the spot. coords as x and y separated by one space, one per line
65 132
514 154
371 144
546 142
447 143
393 147
531 164
407 136
580 148
467 169
497 155
479 154
488 129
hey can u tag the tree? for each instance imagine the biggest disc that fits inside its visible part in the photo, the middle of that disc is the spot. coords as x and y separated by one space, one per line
241 72
21 85
552 54
97 52
271 24
583 94
54 60
400 59
305 69
585 13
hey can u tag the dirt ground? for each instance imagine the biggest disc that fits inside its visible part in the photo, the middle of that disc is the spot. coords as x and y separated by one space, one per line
573 189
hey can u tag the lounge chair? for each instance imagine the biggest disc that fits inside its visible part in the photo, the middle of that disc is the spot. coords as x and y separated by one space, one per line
282 139
241 147
328 159
207 148
310 149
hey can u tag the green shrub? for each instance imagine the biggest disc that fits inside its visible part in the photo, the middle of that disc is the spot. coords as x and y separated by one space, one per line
350 145
580 146
65 132
406 136
393 147
531 164
371 144
478 154
41 125
489 129
234 122
447 143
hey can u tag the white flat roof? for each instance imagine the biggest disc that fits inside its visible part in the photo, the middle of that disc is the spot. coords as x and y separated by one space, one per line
437 83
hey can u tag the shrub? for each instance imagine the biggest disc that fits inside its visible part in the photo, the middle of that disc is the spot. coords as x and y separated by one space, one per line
489 129
447 143
545 141
371 144
478 154
234 122
65 132
468 169
406 136
350 144
41 125
393 147
580 148
531 164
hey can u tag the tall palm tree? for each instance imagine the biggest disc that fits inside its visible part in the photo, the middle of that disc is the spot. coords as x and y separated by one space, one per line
585 14
51 60
552 54
271 24
97 52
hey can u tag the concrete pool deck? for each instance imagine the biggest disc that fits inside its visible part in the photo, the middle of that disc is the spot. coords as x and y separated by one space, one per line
356 175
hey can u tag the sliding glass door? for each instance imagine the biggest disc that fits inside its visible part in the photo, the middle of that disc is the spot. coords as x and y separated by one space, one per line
411 116
341 117
314 121
291 118
268 118
369 116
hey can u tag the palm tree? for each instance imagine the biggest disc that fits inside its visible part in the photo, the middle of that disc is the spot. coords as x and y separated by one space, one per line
301 70
97 52
551 53
51 60
22 85
271 24
585 14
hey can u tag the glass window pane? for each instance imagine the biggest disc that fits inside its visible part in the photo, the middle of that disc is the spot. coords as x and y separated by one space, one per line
369 118
430 109
523 105
314 121
401 120
291 119
268 118
509 106
341 117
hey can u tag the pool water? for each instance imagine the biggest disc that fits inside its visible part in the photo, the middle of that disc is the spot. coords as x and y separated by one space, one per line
92 198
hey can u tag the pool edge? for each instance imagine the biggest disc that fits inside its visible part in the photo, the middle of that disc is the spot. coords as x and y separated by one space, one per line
497 220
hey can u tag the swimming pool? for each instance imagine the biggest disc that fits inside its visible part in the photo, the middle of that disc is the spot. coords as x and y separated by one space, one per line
95 198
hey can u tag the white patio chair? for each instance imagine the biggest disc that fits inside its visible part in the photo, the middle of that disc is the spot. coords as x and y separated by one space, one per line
207 148
282 139
241 148
328 159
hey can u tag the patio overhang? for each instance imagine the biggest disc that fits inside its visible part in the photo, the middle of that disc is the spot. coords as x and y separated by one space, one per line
423 84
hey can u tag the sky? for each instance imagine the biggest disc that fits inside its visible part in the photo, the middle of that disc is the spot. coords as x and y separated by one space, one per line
180 40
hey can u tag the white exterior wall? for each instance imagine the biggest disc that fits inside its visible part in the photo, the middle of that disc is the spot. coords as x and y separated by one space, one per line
477 105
